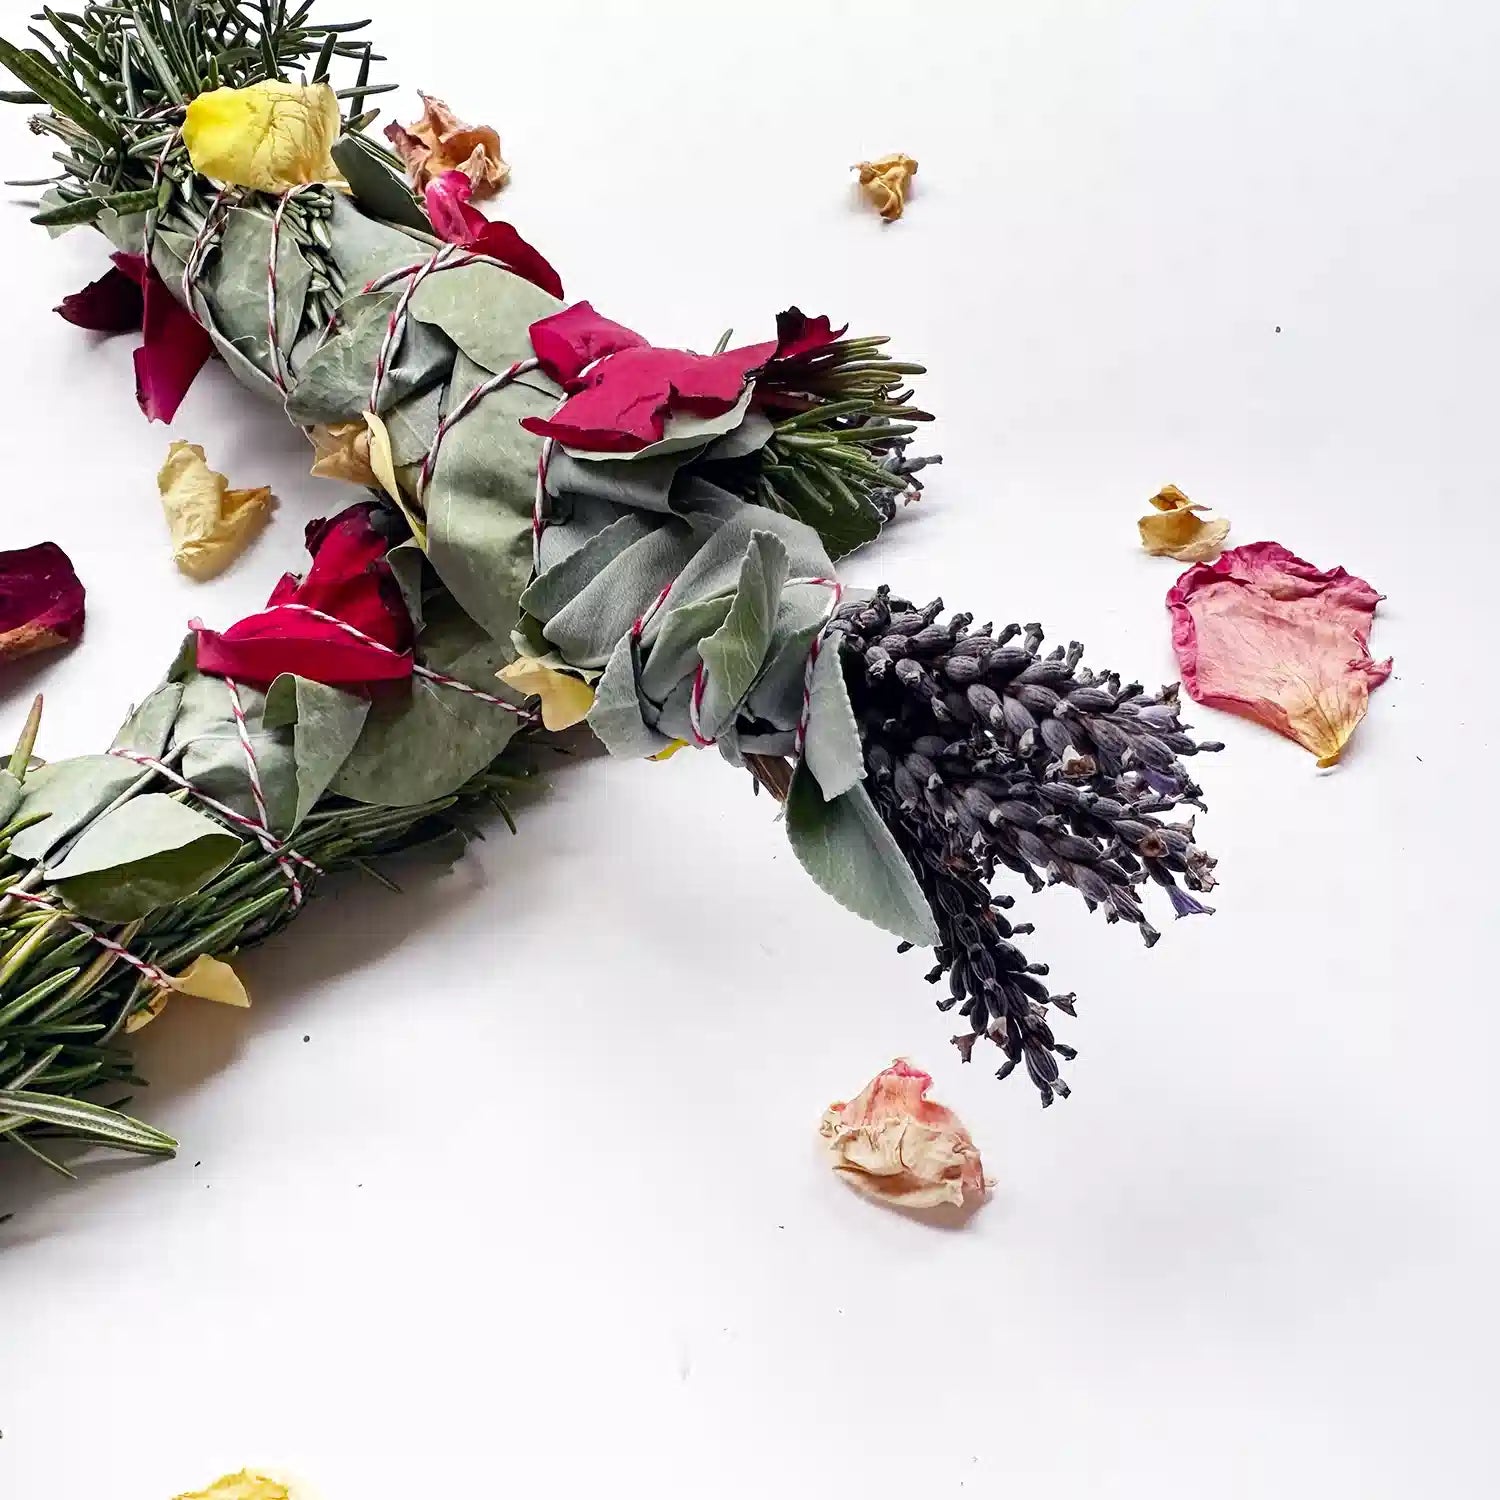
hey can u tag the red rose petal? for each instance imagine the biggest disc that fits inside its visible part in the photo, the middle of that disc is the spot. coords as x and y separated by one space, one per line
174 347
797 335
112 304
455 221
350 580
41 600
447 198
623 402
569 341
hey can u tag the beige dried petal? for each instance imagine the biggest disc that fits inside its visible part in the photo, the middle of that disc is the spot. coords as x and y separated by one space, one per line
343 452
894 1144
885 182
248 1484
206 978
210 524
440 142
1178 531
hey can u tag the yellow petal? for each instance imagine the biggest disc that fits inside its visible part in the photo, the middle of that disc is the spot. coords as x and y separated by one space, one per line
384 469
885 182
269 136
1178 531
565 700
670 750
343 450
246 1485
210 524
206 978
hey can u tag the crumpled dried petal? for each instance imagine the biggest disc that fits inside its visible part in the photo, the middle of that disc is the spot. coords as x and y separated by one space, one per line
206 978
210 523
798 336
1268 636
350 580
248 1484
269 136
440 142
460 224
885 182
41 600
1178 531
343 452
896 1145
112 304
566 700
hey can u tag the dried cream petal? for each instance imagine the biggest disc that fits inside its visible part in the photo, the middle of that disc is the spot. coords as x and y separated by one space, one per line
894 1144
207 979
1178 531
566 700
270 136
383 467
440 142
343 452
246 1485
210 524
885 182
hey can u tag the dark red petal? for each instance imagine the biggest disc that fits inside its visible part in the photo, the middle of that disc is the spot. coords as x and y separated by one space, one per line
112 304
174 347
798 335
501 241
41 600
259 649
569 341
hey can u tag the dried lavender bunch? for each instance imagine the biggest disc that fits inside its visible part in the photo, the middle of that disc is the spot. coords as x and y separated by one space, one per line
982 753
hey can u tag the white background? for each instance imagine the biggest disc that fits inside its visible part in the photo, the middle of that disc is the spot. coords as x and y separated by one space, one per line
511 1186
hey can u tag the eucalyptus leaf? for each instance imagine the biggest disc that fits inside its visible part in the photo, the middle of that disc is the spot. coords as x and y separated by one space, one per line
411 423
334 383
376 188
734 655
149 727
409 565
484 309
850 854
325 722
641 485
70 792
479 501
365 249
430 742
749 437
147 853
236 286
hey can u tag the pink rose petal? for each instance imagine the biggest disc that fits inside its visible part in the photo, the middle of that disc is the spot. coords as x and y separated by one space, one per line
569 341
1268 636
112 304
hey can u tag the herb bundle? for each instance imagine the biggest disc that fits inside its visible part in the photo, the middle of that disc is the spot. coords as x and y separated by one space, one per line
654 527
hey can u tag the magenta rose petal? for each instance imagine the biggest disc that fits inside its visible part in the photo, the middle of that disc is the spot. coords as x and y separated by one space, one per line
41 600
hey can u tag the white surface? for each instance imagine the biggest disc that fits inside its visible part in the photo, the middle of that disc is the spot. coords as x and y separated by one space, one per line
510 1187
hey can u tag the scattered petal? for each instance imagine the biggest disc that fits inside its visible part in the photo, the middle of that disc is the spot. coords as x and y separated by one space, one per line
896 1145
269 136
1272 638
1178 531
669 751
112 304
343 452
246 1485
566 700
206 978
440 142
173 348
41 600
350 580
210 523
455 221
885 182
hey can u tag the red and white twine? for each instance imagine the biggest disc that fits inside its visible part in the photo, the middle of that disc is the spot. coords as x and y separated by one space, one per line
158 977
459 412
